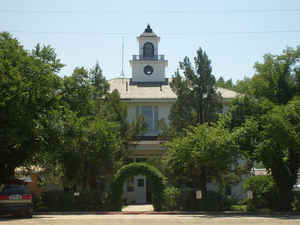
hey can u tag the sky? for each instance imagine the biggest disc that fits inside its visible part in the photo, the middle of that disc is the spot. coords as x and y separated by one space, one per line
234 34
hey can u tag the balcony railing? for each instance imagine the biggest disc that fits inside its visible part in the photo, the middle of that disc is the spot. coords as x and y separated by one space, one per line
155 57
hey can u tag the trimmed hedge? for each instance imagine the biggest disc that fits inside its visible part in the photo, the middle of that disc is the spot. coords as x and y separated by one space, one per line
153 175
184 199
66 201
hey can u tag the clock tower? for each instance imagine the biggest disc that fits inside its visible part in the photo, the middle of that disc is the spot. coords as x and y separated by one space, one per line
148 67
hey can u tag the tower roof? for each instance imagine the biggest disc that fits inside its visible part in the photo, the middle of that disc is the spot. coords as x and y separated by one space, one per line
148 32
148 29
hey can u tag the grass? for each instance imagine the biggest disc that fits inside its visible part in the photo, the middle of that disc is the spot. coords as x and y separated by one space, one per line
239 208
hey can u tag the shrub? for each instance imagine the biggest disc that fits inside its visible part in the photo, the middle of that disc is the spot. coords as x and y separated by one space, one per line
264 192
240 208
185 199
65 201
296 201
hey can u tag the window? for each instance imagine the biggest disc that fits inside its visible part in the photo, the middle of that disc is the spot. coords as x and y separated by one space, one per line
130 184
148 50
150 114
140 182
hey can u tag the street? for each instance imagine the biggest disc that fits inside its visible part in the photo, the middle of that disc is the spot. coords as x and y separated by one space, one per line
151 220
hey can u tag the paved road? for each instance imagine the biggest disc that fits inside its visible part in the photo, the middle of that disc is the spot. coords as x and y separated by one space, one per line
150 220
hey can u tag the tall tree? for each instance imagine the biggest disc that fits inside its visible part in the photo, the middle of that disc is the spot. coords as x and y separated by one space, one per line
28 86
197 99
205 154
221 82
273 139
277 78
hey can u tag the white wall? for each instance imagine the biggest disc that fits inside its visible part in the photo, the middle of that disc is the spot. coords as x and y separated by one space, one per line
158 74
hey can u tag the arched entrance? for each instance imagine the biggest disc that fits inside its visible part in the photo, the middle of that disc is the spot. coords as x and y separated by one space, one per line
153 175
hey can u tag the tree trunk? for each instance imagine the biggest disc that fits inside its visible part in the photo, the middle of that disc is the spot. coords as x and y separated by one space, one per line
285 198
202 185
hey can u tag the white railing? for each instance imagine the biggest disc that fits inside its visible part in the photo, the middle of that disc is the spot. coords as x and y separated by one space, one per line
155 57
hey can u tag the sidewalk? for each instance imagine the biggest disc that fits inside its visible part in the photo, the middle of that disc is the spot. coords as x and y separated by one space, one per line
138 208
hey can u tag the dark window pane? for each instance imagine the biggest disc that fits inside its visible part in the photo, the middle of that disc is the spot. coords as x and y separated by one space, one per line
140 183
148 50
148 117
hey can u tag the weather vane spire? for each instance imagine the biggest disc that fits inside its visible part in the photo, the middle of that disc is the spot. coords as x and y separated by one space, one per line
148 29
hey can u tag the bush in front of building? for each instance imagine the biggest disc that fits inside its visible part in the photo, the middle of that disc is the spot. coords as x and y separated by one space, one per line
184 199
264 194
67 201
296 201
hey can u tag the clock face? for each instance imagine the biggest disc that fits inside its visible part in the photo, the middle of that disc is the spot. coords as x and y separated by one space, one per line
148 70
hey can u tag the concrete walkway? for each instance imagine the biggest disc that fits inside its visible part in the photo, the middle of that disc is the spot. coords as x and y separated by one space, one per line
138 208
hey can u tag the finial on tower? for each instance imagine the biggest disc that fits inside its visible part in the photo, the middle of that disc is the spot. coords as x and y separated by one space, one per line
148 29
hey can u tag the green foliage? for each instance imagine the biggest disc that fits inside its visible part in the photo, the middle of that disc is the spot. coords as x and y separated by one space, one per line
225 84
53 201
204 154
221 82
264 192
239 208
296 201
273 140
184 199
28 86
197 101
87 151
277 78
48 57
244 108
279 148
243 86
156 179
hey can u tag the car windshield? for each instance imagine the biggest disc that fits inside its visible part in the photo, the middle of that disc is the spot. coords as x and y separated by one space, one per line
9 190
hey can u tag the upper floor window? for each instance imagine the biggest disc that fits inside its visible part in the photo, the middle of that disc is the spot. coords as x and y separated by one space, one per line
148 50
150 114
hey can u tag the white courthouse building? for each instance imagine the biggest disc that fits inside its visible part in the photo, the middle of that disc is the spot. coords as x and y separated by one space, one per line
148 93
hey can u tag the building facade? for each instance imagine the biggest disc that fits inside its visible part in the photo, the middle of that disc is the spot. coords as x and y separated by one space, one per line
148 93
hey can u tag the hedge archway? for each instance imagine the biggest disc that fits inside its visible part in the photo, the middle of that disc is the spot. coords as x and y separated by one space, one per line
155 177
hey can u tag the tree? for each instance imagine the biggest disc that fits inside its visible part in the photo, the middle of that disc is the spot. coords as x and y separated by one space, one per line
206 153
48 57
277 78
243 86
245 107
225 84
91 134
28 87
273 139
221 82
279 148
197 101
77 93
